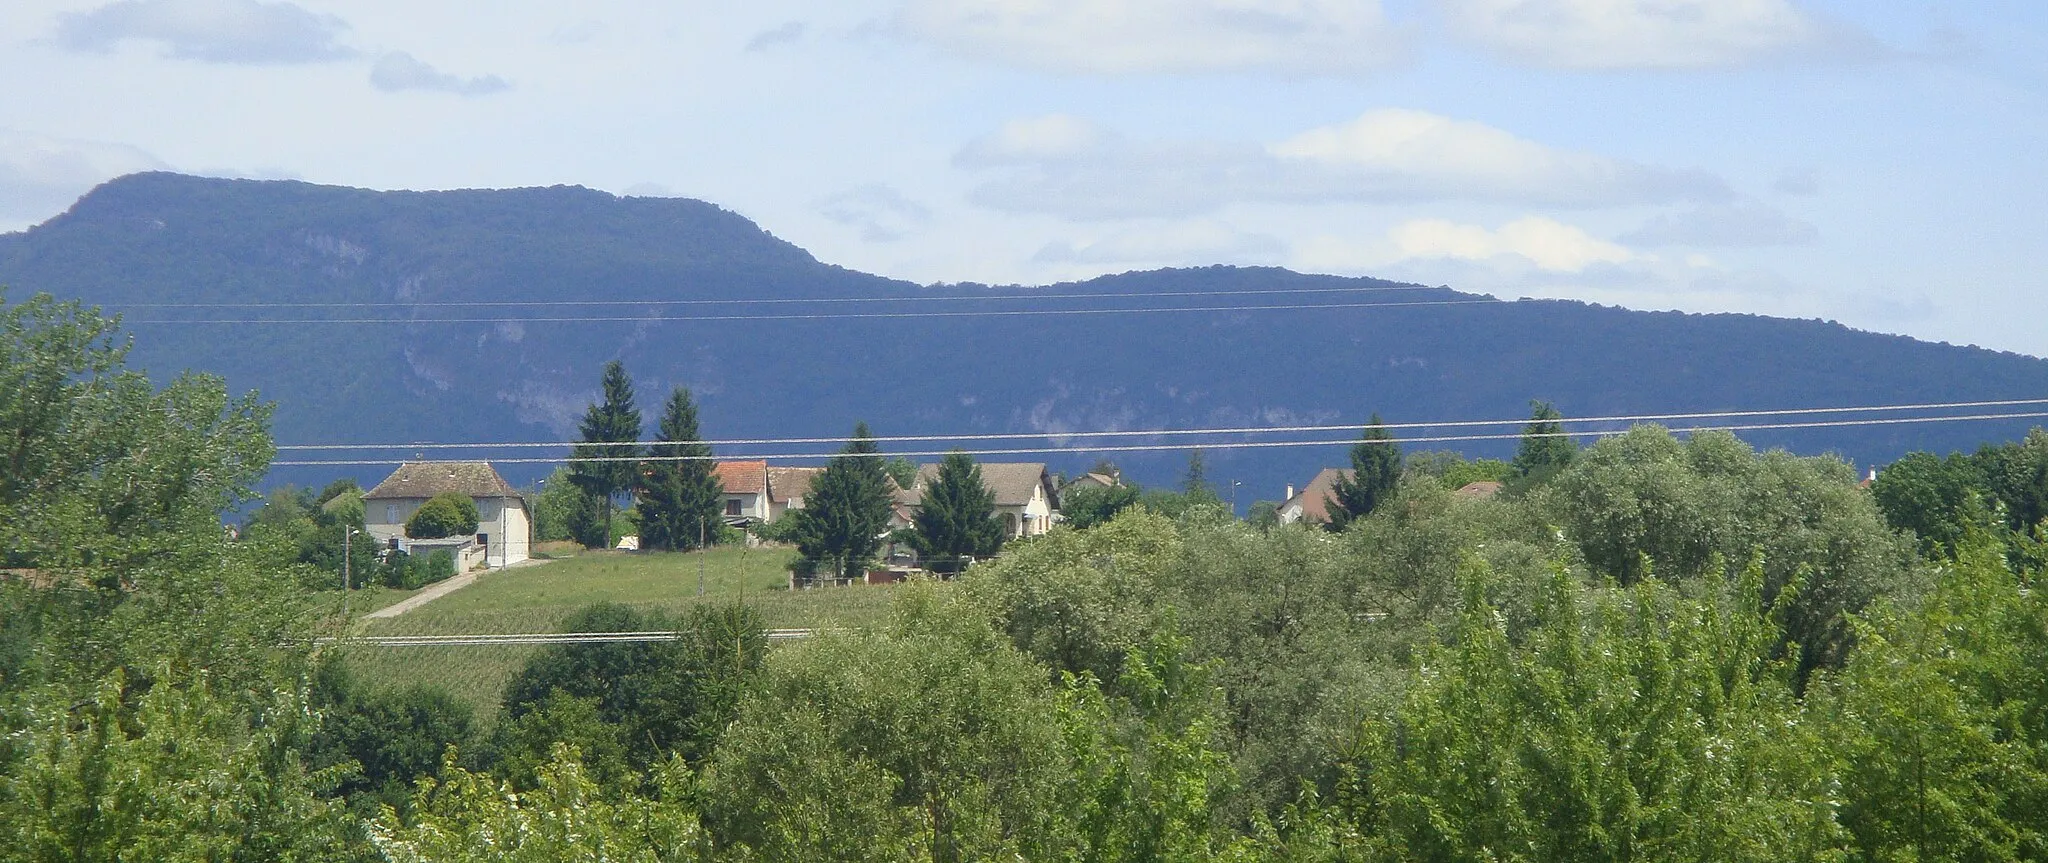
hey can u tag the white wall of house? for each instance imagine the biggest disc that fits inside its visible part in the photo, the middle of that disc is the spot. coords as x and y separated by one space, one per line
1030 519
754 506
504 523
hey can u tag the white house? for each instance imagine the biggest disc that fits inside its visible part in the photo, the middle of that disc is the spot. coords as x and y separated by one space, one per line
745 497
504 529
1025 500
1313 503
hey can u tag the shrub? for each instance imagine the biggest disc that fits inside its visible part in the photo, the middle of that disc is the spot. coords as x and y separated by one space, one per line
446 515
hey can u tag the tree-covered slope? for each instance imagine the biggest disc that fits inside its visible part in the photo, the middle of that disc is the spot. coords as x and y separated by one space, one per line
420 256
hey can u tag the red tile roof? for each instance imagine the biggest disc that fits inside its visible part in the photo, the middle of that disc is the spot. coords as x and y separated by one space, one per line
742 477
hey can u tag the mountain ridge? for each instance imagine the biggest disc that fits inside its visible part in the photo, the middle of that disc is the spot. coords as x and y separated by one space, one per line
417 257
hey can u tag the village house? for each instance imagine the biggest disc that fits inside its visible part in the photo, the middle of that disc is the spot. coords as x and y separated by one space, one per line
1026 502
504 529
1312 503
787 488
744 499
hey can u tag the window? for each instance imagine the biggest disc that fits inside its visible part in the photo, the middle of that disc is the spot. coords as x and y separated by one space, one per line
732 506
391 513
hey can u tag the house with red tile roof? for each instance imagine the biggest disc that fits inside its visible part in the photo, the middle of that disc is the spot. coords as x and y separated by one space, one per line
745 498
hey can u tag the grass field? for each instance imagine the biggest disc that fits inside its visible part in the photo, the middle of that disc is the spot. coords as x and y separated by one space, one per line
537 598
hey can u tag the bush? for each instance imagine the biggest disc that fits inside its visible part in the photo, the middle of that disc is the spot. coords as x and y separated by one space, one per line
411 572
449 514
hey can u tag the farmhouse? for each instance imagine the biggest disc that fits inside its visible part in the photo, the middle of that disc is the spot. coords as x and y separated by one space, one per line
504 528
1025 500
1312 504
744 499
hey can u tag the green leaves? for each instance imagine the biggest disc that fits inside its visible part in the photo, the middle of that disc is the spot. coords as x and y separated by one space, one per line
447 514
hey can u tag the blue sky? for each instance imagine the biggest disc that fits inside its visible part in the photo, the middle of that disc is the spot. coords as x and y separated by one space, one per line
1876 164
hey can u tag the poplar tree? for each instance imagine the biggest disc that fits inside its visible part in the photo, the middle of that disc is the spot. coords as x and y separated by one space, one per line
1375 471
839 529
678 495
957 517
610 430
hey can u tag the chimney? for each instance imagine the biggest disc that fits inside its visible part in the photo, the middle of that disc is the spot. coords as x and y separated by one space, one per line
1289 496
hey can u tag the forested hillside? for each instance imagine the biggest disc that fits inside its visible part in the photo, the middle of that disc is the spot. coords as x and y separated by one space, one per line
1653 648
416 257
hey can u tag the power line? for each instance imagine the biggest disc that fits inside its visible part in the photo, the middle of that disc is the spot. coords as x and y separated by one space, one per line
1221 445
1183 432
517 638
819 316
778 300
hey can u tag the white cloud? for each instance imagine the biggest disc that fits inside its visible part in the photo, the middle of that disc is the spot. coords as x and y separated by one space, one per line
1403 154
1549 244
881 213
41 176
1636 34
1067 166
1136 36
1741 224
1202 241
398 71
789 31
1053 137
212 31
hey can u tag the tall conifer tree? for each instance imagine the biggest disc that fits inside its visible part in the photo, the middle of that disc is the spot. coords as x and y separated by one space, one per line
678 494
840 527
1545 450
610 430
1375 471
957 517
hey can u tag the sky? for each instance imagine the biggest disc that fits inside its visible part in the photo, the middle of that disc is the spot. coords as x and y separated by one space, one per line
1877 164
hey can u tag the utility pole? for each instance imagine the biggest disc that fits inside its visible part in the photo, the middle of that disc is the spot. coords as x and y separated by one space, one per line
347 542
700 554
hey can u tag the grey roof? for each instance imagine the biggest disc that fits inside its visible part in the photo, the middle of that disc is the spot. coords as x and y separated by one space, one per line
1012 482
785 483
422 479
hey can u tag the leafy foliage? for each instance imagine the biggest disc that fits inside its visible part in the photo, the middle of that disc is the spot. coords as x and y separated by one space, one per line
444 515
1087 506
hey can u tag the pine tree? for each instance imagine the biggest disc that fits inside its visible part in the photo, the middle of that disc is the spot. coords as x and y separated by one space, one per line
1545 450
1375 471
840 527
957 518
1195 485
678 495
610 431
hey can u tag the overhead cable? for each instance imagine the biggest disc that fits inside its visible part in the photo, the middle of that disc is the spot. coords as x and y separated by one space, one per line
1053 435
1207 445
818 316
1026 294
